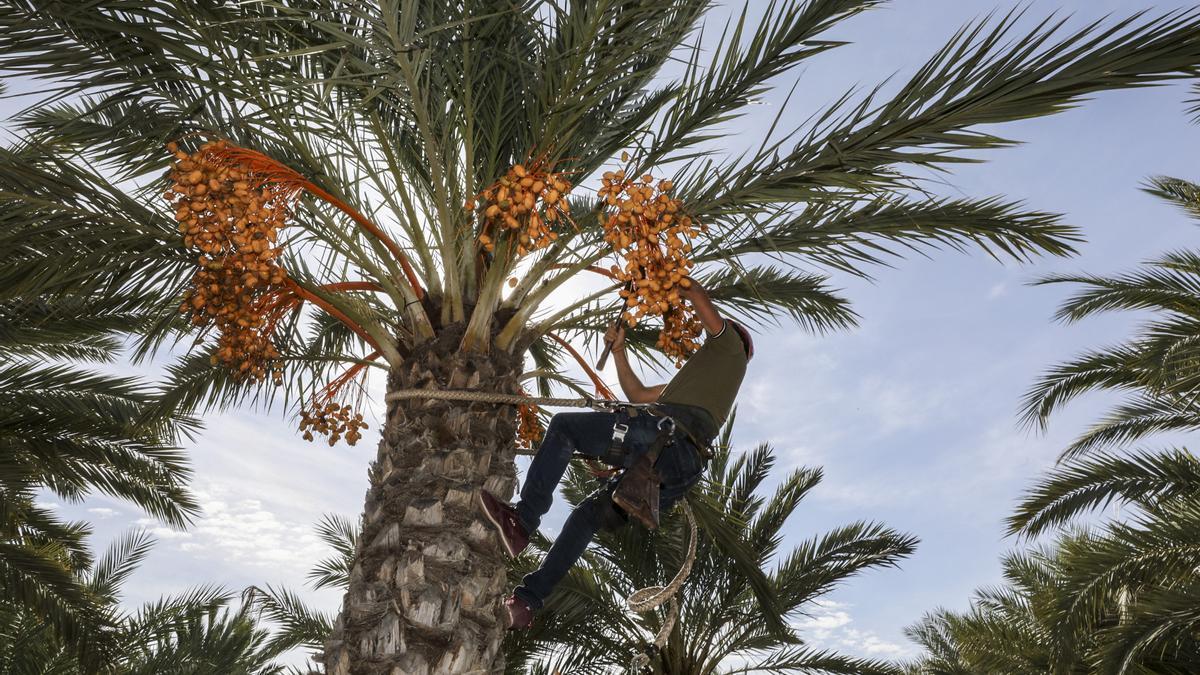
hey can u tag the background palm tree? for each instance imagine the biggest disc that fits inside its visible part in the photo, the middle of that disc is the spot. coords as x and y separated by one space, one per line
403 110
198 633
1121 600
1144 565
1119 597
721 628
1160 366
1008 629
69 429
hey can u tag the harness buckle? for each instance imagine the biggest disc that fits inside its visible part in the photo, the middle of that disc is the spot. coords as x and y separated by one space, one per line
619 431
603 405
667 424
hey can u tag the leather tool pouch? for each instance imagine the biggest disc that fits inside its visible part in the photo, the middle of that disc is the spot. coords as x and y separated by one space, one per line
637 489
637 492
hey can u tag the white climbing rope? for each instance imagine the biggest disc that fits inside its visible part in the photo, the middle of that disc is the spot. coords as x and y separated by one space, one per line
647 599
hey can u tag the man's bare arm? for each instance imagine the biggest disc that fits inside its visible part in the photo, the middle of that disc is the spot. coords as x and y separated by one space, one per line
631 384
706 311
634 390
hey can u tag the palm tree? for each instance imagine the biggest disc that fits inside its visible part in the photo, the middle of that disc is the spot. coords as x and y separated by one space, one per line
1126 595
1148 560
372 124
70 430
1120 597
41 558
1008 630
1158 366
197 633
1120 600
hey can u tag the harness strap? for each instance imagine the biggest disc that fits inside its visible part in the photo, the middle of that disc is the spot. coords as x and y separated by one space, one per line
705 449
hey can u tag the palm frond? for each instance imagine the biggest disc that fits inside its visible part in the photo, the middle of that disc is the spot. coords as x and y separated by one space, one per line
1077 487
299 625
1120 367
341 535
1182 193
1131 421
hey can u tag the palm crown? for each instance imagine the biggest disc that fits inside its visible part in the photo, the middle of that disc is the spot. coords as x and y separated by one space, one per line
406 111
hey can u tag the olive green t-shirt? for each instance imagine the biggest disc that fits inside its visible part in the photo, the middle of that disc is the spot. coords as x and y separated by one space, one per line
711 377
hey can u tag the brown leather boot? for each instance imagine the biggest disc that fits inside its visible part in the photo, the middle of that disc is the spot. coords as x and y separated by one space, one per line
520 614
513 536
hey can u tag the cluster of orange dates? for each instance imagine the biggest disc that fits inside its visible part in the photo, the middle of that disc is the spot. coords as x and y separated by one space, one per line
332 420
230 214
527 203
649 230
529 426
232 221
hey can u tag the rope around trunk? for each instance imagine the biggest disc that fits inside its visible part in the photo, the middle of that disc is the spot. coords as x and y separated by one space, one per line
487 397
498 398
641 600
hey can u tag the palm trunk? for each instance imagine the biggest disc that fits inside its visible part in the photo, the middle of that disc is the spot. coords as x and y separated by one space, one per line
429 576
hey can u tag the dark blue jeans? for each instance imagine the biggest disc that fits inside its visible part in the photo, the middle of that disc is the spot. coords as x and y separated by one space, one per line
679 467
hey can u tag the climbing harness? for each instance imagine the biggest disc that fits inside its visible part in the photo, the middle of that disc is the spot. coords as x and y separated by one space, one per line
637 491
643 599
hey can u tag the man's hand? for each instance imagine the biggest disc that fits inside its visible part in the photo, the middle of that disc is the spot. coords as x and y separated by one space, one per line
631 384
695 294
616 336
690 289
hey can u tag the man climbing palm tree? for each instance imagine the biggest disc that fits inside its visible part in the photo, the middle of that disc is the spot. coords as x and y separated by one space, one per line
671 435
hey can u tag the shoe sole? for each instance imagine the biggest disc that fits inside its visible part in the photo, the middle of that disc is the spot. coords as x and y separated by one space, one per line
499 528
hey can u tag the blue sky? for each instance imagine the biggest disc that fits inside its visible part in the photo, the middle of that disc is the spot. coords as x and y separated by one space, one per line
912 415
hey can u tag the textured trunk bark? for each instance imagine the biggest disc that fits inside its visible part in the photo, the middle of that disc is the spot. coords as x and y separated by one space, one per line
428 581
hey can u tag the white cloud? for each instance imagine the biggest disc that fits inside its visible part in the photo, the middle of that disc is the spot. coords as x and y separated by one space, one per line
862 492
261 456
826 618
243 532
103 513
829 626
160 531
997 458
998 291
869 644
